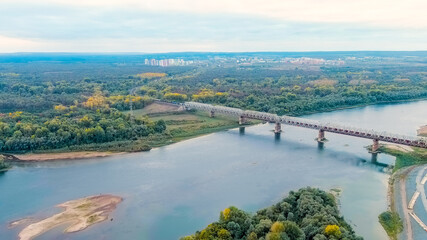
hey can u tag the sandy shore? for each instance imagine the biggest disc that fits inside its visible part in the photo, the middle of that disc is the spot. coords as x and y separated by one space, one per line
422 131
401 148
63 156
78 215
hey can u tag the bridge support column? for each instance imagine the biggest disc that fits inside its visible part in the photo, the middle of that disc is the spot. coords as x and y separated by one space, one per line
242 130
277 128
212 114
321 136
242 120
375 146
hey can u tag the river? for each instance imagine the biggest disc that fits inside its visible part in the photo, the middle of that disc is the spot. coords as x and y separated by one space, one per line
175 190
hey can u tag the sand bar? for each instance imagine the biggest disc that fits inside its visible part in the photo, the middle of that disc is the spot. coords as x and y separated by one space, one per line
63 156
77 215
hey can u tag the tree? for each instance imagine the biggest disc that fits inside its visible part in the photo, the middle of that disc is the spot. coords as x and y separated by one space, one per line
333 230
3 165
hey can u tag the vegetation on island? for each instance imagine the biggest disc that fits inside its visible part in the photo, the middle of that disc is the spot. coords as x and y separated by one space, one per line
308 213
3 165
391 223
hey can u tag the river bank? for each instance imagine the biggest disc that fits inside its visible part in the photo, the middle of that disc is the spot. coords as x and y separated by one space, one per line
63 155
405 156
407 159
181 125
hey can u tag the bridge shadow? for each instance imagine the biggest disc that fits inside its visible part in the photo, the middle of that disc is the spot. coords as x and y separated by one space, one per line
321 148
277 138
242 131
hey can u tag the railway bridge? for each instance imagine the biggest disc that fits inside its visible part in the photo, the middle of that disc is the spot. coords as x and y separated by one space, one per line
322 127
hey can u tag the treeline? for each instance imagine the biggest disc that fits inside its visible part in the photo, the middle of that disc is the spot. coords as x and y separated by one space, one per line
68 126
297 93
51 105
294 90
308 213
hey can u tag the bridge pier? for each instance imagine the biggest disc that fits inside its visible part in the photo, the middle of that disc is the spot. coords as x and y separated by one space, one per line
242 120
242 130
277 128
212 114
375 146
321 136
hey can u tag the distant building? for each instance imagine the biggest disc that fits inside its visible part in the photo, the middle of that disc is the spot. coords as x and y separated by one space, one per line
168 62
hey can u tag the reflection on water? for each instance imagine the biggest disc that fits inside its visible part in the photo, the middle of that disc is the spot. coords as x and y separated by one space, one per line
185 185
320 146
277 137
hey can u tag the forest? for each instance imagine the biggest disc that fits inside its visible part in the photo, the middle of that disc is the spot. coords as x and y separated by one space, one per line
308 213
49 102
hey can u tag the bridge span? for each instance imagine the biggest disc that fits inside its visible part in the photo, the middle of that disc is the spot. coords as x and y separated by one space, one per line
322 127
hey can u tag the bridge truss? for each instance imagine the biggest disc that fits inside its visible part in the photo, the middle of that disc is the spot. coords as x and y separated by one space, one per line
312 124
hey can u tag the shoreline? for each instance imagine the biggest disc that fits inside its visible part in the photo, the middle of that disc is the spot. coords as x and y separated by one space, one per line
360 106
397 190
76 155
41 157
396 193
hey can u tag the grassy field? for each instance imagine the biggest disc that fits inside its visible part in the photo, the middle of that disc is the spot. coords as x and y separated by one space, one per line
181 125
406 158
392 223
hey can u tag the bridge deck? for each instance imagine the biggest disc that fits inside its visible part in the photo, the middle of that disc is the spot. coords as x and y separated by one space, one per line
313 124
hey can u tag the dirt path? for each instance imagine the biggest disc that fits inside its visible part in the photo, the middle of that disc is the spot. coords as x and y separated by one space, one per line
404 205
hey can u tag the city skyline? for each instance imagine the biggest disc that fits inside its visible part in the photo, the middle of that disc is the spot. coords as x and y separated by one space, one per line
211 26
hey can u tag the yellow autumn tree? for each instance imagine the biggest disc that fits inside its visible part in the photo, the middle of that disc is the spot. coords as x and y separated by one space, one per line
224 234
60 108
16 115
226 213
175 96
277 227
204 95
96 101
333 230
150 75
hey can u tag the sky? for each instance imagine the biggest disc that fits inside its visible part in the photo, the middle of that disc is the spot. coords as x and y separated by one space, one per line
211 25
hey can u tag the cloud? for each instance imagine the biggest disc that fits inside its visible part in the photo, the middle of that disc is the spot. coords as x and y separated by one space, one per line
233 25
9 44
385 13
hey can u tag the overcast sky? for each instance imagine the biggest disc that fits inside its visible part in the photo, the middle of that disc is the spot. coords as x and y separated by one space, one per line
211 25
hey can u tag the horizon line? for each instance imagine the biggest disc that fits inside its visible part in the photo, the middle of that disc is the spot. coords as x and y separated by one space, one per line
212 52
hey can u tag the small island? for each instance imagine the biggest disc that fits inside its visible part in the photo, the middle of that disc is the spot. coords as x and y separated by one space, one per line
78 214
308 213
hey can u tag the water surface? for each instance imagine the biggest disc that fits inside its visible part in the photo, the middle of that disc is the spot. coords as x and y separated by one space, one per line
175 190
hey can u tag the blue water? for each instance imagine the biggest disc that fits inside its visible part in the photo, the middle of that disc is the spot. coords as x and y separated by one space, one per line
175 190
